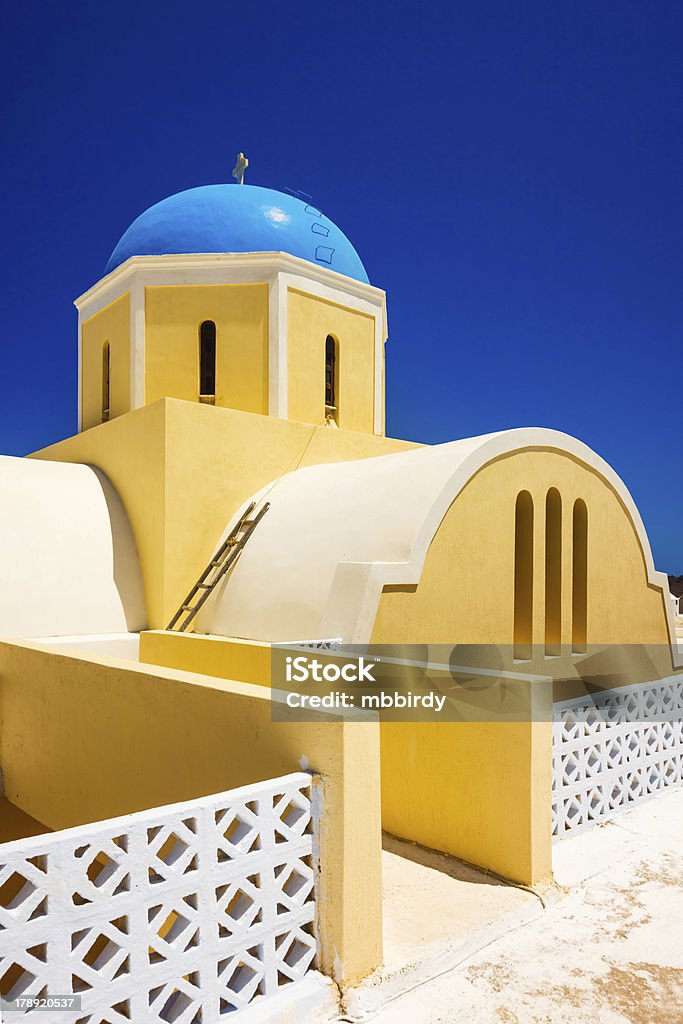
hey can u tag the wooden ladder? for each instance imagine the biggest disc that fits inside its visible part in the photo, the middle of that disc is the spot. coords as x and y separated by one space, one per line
222 561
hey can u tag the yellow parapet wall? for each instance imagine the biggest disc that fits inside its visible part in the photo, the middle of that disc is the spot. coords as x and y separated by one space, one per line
479 790
85 739
247 661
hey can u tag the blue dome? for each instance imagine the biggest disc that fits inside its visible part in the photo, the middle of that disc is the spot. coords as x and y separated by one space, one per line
238 218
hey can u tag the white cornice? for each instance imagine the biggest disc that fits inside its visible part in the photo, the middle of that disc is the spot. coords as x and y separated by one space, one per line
256 266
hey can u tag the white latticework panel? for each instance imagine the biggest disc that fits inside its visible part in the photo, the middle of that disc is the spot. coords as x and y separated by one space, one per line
326 646
180 914
615 748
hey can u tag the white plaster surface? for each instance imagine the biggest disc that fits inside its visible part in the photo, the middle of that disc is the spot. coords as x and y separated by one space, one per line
109 645
336 534
68 561
212 863
609 950
314 998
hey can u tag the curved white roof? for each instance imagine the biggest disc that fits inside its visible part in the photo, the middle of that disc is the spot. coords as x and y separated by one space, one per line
68 561
336 534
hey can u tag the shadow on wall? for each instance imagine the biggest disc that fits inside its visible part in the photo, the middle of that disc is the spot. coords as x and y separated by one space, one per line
127 575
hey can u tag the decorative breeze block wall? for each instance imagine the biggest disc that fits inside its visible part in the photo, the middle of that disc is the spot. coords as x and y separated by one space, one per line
613 749
184 914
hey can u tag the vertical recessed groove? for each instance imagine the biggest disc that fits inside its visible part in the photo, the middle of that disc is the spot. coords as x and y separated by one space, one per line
580 577
331 378
106 381
207 359
524 576
553 572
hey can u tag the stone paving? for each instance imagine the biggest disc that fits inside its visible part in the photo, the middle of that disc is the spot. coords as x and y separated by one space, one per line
608 948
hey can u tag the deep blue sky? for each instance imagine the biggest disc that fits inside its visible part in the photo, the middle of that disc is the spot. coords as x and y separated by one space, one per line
511 174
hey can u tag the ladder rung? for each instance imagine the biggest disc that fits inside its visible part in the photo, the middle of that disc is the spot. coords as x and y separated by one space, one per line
229 552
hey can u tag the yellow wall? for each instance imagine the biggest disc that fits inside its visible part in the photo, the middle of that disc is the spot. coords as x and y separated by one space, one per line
482 791
216 459
182 469
479 789
472 603
247 661
111 324
310 320
173 316
16 824
147 737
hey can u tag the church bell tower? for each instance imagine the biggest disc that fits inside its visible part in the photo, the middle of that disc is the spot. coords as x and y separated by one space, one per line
235 296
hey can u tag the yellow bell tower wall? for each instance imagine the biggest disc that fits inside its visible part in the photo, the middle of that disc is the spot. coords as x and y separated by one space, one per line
310 320
112 325
242 331
173 316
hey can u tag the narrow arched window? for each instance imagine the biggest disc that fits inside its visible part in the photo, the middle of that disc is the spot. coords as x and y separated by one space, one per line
580 577
524 576
330 373
106 371
553 572
207 360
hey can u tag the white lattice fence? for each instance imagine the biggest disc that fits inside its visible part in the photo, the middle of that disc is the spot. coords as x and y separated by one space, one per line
615 748
325 646
180 914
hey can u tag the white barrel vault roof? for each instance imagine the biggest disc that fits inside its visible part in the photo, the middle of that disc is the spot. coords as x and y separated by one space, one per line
68 561
336 534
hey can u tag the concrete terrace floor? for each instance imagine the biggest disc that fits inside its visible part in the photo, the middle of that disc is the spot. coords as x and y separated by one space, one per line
608 948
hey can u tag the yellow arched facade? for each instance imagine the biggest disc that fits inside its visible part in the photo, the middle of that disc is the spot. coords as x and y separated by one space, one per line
456 786
466 592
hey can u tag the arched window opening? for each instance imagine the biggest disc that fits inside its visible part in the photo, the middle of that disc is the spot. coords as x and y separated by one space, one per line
207 361
330 375
106 372
524 576
553 572
580 577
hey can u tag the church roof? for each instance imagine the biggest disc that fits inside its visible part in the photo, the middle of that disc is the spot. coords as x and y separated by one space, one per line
337 533
238 218
67 552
